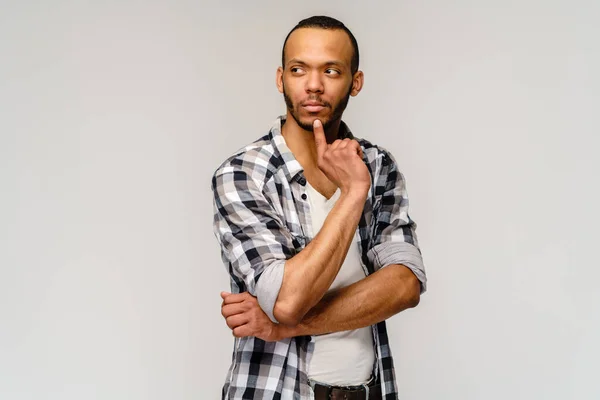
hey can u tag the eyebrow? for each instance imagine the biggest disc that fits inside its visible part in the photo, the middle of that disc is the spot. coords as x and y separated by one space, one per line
332 62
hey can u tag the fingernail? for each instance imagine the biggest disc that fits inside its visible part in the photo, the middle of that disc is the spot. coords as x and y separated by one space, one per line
317 123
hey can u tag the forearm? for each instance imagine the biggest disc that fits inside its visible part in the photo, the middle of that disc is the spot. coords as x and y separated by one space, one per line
309 274
371 300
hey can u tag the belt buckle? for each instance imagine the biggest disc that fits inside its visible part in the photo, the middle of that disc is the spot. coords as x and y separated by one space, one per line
329 388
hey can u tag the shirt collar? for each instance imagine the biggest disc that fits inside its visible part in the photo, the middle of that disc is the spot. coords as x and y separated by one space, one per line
291 166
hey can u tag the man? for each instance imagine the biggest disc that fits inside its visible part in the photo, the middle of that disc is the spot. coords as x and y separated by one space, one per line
314 230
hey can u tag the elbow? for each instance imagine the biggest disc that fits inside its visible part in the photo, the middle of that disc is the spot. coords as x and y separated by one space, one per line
413 292
287 314
410 299
414 298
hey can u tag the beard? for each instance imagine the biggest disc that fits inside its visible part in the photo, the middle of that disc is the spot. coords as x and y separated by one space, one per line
336 112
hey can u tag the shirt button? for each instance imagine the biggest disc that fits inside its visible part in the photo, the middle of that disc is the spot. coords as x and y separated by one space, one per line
303 196
302 181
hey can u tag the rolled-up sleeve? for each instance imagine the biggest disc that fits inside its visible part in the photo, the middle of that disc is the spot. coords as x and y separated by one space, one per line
394 233
254 242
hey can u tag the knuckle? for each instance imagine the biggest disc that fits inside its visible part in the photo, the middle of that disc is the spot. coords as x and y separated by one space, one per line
238 332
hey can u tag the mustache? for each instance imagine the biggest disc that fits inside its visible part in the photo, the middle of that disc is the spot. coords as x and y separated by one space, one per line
316 100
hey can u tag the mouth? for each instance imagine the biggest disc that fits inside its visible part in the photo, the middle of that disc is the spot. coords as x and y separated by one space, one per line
313 107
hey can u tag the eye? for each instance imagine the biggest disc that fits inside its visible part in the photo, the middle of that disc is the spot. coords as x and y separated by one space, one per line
331 71
296 70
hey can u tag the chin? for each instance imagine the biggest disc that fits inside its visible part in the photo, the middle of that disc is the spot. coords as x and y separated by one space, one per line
307 123
311 117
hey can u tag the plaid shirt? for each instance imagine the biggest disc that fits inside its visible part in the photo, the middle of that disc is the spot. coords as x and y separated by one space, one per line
261 219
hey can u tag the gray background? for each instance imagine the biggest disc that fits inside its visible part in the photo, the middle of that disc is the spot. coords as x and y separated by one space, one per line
114 114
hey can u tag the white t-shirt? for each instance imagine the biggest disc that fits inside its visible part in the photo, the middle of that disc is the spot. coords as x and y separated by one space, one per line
340 358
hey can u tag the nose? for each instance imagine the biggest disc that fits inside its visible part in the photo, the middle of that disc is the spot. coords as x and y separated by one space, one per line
314 84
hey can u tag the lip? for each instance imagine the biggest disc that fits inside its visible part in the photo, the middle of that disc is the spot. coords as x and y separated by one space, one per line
313 106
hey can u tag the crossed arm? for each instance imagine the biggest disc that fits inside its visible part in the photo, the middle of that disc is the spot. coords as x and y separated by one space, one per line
393 288
305 307
255 241
371 300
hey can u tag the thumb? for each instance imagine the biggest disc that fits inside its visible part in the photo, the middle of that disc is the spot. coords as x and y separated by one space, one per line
224 294
320 140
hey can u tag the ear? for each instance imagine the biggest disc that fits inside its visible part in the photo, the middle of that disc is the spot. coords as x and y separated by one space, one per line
357 83
279 79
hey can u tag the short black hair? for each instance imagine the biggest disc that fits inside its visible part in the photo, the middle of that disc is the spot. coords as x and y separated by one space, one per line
324 22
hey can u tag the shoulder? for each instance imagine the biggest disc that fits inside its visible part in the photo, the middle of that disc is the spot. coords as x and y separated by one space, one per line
257 161
382 166
376 156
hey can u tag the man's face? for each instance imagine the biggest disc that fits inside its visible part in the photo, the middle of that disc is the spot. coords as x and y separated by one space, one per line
316 80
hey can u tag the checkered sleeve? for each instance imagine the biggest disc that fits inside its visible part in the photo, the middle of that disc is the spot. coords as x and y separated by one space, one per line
254 241
395 238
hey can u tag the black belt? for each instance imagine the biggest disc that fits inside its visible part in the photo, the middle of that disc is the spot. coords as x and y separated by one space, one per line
324 392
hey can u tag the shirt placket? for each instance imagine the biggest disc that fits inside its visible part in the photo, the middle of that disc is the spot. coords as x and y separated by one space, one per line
298 186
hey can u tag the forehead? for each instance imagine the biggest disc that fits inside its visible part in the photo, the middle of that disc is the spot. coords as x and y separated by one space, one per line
315 45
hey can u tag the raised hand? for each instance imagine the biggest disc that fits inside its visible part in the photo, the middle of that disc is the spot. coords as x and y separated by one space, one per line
342 162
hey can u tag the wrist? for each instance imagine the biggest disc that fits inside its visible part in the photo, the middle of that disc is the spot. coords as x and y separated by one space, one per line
285 331
356 194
